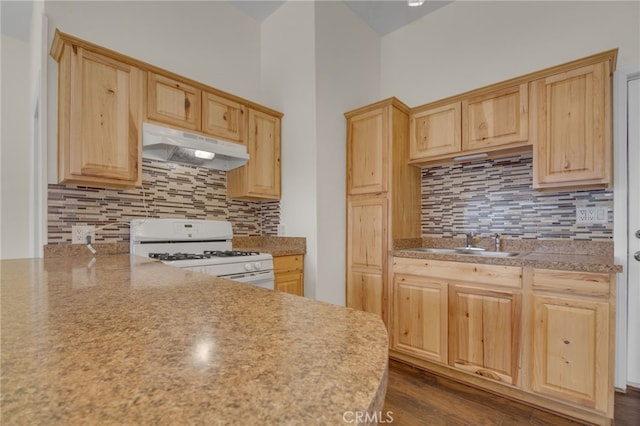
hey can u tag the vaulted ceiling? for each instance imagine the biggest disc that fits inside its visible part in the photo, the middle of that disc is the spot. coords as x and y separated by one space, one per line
382 16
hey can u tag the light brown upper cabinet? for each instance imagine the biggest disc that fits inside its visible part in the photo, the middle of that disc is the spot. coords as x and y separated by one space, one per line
100 103
496 118
180 104
563 112
173 102
368 152
223 117
436 131
260 178
485 121
571 124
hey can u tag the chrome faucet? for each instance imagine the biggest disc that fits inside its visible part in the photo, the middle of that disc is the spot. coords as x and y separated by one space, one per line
470 236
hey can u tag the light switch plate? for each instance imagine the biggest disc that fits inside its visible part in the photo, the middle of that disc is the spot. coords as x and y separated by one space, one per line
589 215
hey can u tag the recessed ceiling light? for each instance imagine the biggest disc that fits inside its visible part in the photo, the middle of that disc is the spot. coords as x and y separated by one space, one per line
415 2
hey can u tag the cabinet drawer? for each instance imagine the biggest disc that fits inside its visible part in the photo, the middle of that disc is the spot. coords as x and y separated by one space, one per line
498 275
287 263
569 282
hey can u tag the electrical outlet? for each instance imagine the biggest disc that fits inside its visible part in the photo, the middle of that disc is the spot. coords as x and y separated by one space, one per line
581 215
79 233
589 215
281 229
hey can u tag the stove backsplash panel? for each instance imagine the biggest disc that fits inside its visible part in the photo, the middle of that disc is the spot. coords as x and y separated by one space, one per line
496 196
168 190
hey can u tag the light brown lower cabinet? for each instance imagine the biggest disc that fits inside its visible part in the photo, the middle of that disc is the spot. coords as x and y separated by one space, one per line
484 329
367 218
289 274
544 337
573 337
420 317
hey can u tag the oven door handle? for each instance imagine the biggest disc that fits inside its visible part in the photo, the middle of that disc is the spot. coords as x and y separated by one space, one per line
249 276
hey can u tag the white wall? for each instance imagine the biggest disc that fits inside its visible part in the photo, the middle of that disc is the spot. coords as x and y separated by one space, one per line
347 77
470 44
330 66
39 52
16 152
210 41
288 81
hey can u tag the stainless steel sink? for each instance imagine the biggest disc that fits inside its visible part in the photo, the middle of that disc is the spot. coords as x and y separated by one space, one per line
473 251
436 250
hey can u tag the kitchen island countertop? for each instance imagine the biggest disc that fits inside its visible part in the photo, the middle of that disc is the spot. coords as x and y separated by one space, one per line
125 339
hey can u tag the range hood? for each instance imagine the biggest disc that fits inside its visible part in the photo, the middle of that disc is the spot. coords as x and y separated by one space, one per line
172 145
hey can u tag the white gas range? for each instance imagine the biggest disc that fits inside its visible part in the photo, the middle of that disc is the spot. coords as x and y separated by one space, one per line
200 245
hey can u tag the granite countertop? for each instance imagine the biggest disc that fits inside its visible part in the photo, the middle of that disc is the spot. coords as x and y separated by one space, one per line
569 256
127 340
276 246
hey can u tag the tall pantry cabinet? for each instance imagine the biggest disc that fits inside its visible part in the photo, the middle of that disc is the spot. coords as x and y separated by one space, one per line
383 199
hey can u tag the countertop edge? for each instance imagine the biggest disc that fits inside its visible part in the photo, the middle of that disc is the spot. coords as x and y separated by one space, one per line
545 260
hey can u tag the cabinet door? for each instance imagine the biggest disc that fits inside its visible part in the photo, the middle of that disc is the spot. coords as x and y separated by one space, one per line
368 151
496 118
571 350
173 102
484 328
100 114
571 122
365 292
435 132
259 179
264 154
223 118
290 282
366 256
420 317
289 274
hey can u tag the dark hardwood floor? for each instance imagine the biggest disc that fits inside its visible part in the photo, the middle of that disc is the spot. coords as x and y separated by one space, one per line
416 398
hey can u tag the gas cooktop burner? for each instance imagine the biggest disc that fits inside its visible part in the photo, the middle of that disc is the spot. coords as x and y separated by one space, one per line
206 255
176 256
228 253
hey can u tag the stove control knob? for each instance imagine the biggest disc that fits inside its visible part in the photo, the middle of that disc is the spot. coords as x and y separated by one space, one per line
248 266
257 265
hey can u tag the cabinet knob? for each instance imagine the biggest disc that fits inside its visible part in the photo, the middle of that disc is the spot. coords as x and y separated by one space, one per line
637 255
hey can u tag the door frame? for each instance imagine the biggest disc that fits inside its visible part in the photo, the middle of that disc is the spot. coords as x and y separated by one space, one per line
620 215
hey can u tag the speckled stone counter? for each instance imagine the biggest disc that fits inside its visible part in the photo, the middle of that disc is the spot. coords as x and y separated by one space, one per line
126 340
585 256
277 246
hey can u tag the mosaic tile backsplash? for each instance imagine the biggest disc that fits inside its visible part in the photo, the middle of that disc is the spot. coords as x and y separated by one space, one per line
486 197
168 190
496 196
